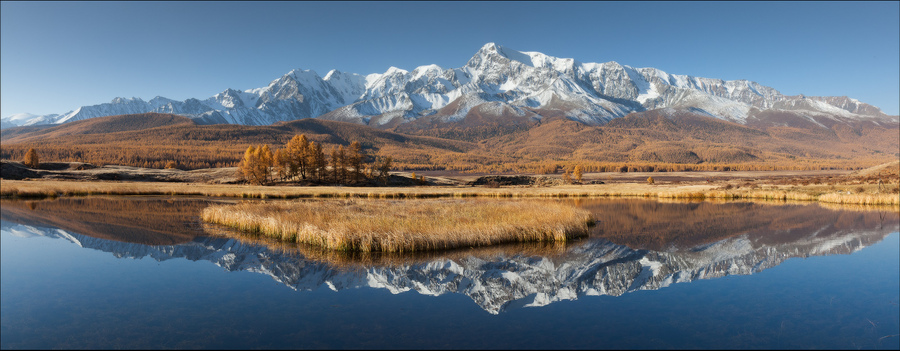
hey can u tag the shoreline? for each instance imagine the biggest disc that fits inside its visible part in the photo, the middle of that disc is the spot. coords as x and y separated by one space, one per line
860 194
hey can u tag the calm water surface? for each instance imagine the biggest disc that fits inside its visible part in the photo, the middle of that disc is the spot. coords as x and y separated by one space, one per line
127 272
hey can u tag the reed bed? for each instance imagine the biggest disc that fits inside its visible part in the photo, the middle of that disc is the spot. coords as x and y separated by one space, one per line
839 194
404 226
861 199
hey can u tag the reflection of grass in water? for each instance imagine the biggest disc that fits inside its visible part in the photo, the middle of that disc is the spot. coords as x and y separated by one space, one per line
402 226
861 206
357 259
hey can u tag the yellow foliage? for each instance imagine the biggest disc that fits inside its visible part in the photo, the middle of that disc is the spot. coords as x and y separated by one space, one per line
31 159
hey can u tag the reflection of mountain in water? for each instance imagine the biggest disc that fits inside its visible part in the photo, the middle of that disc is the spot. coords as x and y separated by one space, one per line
505 280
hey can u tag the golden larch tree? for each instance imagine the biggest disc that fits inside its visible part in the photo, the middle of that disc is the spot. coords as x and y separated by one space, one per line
298 150
576 174
256 163
283 164
31 159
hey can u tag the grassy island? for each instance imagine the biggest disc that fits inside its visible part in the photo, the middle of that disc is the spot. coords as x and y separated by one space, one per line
404 225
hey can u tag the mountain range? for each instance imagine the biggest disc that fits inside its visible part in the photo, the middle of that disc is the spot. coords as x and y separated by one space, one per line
496 83
503 111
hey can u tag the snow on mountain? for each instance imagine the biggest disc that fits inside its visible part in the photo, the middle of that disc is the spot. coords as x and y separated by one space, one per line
19 118
592 93
23 119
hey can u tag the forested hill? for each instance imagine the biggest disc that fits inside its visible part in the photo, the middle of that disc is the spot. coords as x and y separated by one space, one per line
676 139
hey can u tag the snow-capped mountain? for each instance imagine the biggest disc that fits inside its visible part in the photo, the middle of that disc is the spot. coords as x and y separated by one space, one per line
21 119
498 283
496 80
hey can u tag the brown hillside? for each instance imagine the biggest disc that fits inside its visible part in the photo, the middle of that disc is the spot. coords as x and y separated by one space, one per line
204 146
657 140
480 123
887 169
343 133
102 125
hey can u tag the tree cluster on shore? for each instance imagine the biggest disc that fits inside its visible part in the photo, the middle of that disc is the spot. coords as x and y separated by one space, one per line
304 160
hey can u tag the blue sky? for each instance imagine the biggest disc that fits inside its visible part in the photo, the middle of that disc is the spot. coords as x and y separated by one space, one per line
57 56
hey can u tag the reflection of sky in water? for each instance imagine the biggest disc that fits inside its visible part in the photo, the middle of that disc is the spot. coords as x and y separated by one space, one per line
58 295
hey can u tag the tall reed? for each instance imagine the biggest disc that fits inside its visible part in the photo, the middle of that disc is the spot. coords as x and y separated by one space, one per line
861 199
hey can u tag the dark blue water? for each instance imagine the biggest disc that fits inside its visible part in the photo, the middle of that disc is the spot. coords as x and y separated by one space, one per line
792 276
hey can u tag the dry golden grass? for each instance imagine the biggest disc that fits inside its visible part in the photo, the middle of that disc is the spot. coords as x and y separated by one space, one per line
841 193
860 199
887 169
404 226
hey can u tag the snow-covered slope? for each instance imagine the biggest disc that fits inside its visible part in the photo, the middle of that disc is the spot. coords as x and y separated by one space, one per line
506 79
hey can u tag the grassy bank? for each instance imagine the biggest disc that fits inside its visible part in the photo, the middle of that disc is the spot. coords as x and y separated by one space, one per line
404 226
862 194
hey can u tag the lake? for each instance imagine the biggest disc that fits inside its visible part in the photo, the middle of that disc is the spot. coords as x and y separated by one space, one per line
144 272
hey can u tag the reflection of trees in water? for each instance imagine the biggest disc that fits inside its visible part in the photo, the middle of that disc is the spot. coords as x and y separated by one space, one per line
658 226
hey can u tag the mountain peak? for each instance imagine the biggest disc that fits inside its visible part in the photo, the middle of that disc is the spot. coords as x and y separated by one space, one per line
489 47
425 68
495 50
395 70
122 100
298 72
331 74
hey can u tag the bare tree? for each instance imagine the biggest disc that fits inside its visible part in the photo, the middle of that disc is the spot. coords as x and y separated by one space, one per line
355 160
384 168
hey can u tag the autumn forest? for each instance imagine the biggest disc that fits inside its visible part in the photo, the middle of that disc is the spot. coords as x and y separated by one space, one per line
304 149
